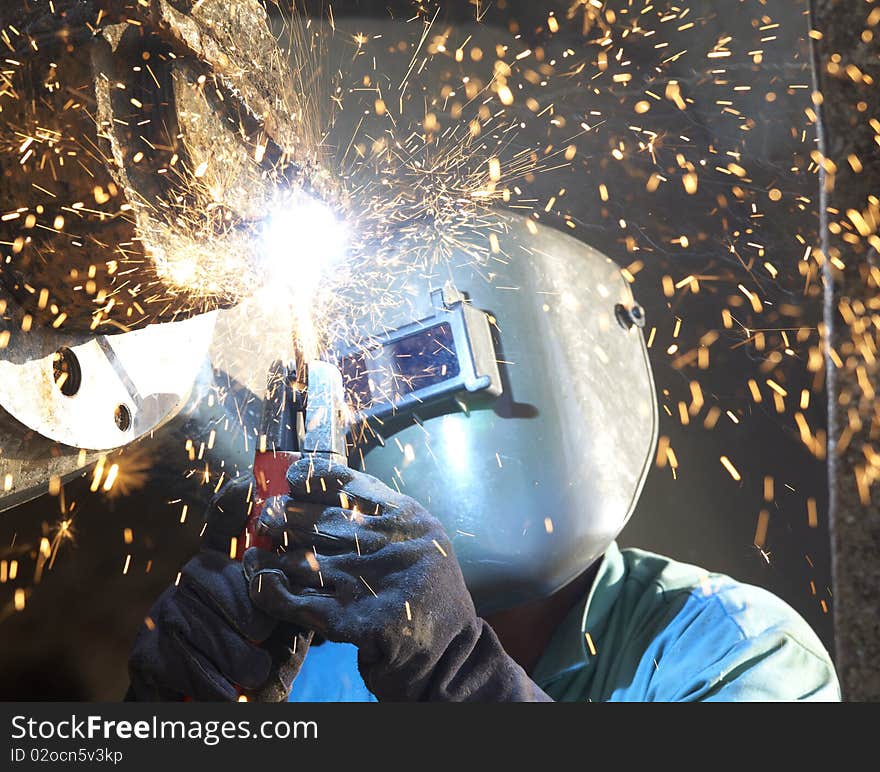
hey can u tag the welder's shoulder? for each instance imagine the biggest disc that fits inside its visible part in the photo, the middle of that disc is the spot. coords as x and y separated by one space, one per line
721 639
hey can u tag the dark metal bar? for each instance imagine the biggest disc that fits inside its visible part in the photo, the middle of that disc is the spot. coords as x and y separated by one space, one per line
848 72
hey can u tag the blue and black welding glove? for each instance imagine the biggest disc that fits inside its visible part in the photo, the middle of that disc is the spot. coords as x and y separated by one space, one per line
361 563
203 639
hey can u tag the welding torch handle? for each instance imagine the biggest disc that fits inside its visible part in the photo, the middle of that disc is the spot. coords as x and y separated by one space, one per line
270 478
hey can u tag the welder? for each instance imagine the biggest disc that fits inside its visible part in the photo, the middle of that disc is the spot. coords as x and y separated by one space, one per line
530 436
516 590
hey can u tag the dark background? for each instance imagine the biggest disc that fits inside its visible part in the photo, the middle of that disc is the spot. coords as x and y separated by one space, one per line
73 637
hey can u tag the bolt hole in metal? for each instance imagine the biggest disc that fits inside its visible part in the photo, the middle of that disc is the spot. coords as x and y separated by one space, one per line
66 371
629 317
122 416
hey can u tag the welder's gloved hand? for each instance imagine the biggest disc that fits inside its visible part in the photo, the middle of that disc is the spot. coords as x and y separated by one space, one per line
203 639
361 563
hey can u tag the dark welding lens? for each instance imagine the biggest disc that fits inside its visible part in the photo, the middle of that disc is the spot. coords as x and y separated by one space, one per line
384 375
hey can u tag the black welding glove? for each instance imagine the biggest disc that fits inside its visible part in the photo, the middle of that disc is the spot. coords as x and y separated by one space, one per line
203 639
363 564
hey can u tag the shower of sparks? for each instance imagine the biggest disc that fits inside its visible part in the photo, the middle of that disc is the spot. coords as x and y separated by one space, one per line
457 145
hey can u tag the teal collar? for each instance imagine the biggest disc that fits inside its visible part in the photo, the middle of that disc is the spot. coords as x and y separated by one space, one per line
569 648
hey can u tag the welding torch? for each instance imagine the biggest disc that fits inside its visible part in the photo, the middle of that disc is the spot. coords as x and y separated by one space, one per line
304 416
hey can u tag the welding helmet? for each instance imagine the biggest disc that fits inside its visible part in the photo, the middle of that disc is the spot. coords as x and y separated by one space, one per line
515 401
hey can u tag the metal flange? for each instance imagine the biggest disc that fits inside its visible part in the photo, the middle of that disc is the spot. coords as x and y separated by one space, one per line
65 395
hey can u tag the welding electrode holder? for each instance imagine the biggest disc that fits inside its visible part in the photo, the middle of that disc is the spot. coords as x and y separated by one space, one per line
304 414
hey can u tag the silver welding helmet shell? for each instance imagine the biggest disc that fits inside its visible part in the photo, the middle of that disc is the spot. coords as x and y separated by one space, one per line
534 483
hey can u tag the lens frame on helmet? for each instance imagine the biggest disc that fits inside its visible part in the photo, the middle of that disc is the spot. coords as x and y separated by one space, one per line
425 362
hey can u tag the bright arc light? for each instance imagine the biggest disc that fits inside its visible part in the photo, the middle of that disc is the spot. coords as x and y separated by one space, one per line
303 243
303 239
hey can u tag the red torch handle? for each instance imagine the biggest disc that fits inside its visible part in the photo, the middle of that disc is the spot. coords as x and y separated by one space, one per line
270 475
